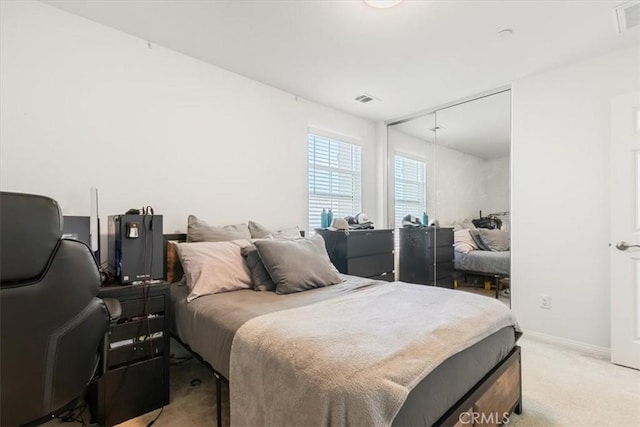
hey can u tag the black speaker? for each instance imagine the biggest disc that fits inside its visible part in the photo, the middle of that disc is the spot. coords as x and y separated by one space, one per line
135 247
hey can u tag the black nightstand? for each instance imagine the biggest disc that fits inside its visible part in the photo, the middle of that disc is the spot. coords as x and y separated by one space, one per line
364 253
136 368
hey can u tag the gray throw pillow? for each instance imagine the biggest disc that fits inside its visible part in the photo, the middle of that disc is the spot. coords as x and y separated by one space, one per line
475 235
259 274
259 231
297 265
199 231
495 240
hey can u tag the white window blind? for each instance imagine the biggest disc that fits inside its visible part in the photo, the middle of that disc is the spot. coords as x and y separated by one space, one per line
410 184
334 178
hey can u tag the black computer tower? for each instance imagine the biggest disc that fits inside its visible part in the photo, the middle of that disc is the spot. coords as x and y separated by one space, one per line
135 247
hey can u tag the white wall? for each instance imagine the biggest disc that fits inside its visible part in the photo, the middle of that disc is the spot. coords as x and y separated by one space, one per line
497 182
461 185
560 198
84 105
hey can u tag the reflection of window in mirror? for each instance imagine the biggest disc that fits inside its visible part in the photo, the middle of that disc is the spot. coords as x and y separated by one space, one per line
410 192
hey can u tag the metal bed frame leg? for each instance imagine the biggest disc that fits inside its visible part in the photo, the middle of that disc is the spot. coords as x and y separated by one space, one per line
218 399
497 279
518 409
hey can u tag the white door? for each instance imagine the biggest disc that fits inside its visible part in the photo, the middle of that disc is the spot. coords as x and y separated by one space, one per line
625 230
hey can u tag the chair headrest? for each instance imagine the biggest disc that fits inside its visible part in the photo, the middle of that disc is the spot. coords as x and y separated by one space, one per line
30 228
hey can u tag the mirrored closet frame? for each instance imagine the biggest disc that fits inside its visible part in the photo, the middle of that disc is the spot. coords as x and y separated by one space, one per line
389 165
389 208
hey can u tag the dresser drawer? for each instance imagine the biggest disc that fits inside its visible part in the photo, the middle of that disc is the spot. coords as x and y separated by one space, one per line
387 277
427 236
441 237
370 266
444 270
363 243
138 307
129 353
444 283
443 254
136 328
130 391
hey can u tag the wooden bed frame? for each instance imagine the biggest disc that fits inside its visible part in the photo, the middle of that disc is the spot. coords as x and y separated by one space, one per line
490 402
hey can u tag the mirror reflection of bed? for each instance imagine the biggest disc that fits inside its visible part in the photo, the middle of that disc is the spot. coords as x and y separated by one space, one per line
482 256
460 176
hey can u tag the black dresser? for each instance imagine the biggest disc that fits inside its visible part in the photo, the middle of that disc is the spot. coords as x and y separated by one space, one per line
364 253
426 256
136 368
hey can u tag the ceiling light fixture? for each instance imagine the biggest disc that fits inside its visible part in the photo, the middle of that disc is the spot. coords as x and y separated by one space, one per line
382 4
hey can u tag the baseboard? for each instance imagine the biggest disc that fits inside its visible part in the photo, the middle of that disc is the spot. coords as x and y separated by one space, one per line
590 349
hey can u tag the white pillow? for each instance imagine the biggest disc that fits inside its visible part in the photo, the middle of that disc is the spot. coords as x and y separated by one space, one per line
214 267
463 242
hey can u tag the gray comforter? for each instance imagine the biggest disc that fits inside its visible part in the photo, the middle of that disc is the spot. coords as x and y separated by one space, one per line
354 358
208 325
484 262
232 309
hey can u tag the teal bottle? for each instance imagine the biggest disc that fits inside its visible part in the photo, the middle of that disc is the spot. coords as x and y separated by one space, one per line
425 219
329 218
324 219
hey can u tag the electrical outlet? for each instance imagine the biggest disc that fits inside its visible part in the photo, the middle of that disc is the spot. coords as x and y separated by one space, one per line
545 301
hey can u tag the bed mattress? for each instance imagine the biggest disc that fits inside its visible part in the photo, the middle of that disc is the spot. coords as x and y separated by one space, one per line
484 262
208 325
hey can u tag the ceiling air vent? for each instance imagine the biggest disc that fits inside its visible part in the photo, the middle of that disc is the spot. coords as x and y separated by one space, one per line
364 98
628 15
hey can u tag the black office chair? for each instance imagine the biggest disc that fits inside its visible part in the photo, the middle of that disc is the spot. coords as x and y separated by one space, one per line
51 323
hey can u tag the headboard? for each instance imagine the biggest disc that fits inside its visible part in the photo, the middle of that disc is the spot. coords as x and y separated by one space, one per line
172 267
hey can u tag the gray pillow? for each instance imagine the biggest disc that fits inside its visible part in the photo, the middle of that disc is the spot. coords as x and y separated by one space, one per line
475 235
259 231
199 231
297 265
259 274
495 240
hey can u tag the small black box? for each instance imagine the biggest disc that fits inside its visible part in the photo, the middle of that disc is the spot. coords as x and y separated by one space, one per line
135 247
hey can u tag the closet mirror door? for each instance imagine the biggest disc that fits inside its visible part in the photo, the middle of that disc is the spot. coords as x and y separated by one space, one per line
412 196
472 197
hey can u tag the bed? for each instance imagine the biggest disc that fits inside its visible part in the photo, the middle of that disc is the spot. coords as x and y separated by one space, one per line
489 262
489 258
483 377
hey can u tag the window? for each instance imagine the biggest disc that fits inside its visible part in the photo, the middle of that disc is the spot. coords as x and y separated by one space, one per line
410 194
334 178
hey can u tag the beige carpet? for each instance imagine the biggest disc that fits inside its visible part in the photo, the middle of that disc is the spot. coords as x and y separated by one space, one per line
565 387
560 387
